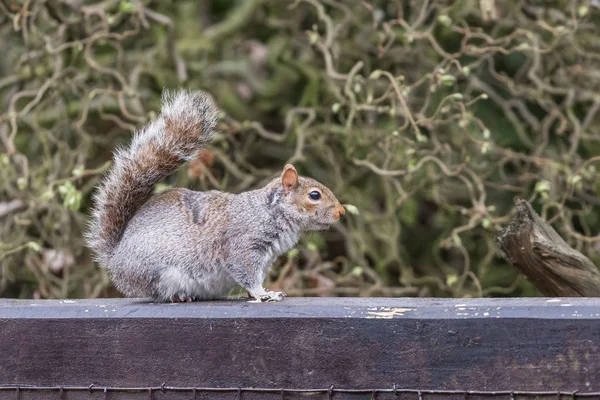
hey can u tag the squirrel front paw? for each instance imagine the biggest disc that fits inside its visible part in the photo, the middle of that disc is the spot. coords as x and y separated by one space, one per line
272 296
268 296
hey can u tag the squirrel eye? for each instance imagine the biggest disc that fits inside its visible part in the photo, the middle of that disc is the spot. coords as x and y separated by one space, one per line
314 195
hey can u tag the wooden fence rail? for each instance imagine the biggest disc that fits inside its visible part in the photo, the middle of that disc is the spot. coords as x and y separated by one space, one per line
301 348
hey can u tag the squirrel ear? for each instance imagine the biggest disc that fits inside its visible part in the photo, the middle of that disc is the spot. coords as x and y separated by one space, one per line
289 178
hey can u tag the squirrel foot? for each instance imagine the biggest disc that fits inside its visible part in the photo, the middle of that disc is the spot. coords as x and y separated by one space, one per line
178 299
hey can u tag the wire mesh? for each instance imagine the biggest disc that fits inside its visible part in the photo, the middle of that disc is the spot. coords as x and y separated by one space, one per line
331 392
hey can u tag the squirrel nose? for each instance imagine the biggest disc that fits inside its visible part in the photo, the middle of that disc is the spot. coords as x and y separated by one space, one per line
339 212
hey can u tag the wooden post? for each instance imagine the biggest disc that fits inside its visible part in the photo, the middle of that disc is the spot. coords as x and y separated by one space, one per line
366 344
537 251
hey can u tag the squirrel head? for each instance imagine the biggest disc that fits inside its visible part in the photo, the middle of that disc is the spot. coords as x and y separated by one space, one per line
314 204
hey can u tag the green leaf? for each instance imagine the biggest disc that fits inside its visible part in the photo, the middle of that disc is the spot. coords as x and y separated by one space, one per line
126 7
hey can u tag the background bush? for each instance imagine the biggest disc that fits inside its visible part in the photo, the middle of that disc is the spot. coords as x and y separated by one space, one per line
428 117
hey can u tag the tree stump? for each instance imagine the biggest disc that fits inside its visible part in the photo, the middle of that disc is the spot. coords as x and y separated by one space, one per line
549 263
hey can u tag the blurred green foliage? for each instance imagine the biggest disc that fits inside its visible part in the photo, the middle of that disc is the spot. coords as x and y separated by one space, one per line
427 118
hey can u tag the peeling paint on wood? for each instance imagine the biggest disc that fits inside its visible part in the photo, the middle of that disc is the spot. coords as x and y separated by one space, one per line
387 312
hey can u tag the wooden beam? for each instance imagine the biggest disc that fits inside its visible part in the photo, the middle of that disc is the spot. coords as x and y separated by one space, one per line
548 262
421 344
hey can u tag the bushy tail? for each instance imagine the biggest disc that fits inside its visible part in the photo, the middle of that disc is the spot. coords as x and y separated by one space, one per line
185 124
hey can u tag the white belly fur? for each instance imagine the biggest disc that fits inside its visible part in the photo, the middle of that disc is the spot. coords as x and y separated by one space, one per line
174 282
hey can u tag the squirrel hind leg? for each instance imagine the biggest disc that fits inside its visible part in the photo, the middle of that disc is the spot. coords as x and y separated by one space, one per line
176 286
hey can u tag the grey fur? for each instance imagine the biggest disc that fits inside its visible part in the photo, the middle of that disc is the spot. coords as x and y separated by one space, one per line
183 244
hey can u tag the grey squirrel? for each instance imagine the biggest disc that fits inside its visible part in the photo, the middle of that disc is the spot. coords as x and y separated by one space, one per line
183 245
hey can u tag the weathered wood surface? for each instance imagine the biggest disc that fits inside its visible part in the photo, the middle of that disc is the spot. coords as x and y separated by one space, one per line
548 262
459 344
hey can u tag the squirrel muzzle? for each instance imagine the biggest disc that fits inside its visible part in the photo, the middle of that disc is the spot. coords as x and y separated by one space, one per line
339 212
